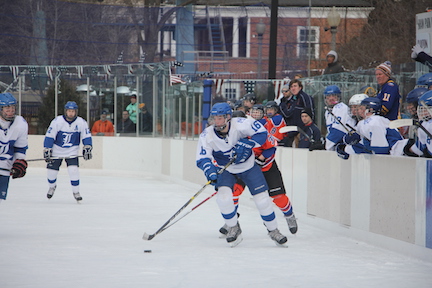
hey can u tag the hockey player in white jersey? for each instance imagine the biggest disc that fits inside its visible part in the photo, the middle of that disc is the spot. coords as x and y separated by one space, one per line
62 141
13 143
373 133
423 145
227 138
337 115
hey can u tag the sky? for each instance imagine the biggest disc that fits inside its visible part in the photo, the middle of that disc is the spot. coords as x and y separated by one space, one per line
98 243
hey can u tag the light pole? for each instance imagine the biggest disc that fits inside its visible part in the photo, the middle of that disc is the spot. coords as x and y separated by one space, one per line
333 20
260 29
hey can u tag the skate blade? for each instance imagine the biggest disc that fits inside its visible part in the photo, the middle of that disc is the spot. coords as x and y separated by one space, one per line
284 245
236 242
222 236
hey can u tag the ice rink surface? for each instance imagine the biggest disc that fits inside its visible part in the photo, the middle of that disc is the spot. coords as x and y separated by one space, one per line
98 244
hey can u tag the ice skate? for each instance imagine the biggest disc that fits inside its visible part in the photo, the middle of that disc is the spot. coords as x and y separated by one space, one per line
279 238
51 192
234 236
224 231
292 223
77 196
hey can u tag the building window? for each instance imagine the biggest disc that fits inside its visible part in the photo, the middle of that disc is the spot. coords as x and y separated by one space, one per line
306 35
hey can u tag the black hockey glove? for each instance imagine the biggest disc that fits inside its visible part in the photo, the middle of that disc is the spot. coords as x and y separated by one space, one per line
87 152
19 168
47 154
340 150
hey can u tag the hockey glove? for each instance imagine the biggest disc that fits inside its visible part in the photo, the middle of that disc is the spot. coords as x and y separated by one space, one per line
47 153
243 150
340 150
87 152
210 171
316 146
351 139
19 168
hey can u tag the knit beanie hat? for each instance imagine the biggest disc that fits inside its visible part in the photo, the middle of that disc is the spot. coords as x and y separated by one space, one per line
308 111
385 68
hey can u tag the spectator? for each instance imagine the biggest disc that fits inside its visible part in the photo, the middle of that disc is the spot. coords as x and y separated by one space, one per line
62 141
146 119
389 93
132 108
419 55
291 107
337 117
126 125
333 65
311 136
285 94
103 127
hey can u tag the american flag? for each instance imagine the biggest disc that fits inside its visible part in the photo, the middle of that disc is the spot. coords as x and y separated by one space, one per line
176 80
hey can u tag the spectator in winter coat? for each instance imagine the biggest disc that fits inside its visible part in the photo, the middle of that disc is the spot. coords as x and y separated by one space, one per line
389 91
291 107
103 127
333 65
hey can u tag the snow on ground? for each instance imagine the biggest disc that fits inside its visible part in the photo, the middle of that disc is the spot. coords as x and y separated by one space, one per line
98 243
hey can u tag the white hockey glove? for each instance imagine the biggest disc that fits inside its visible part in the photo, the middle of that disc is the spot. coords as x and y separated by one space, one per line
47 154
87 152
415 51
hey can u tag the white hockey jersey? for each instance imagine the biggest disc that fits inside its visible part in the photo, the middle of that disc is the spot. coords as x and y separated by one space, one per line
376 136
335 130
13 142
64 137
220 149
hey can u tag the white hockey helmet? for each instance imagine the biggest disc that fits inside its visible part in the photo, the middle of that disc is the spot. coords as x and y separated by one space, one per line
356 99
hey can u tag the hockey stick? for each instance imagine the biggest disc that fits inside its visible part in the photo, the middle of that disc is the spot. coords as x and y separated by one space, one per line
296 129
408 122
151 236
184 215
350 132
53 158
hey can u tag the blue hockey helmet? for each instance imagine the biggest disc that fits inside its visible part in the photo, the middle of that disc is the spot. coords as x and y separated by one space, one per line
372 104
424 108
414 95
425 80
220 109
331 90
6 100
71 105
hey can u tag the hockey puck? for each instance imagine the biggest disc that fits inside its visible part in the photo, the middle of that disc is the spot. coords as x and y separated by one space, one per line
147 251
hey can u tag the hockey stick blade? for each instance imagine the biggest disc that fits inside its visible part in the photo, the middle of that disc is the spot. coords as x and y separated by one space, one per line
286 129
148 237
400 123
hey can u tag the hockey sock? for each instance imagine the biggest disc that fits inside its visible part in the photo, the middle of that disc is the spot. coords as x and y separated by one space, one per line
74 177
224 199
265 208
52 177
282 201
